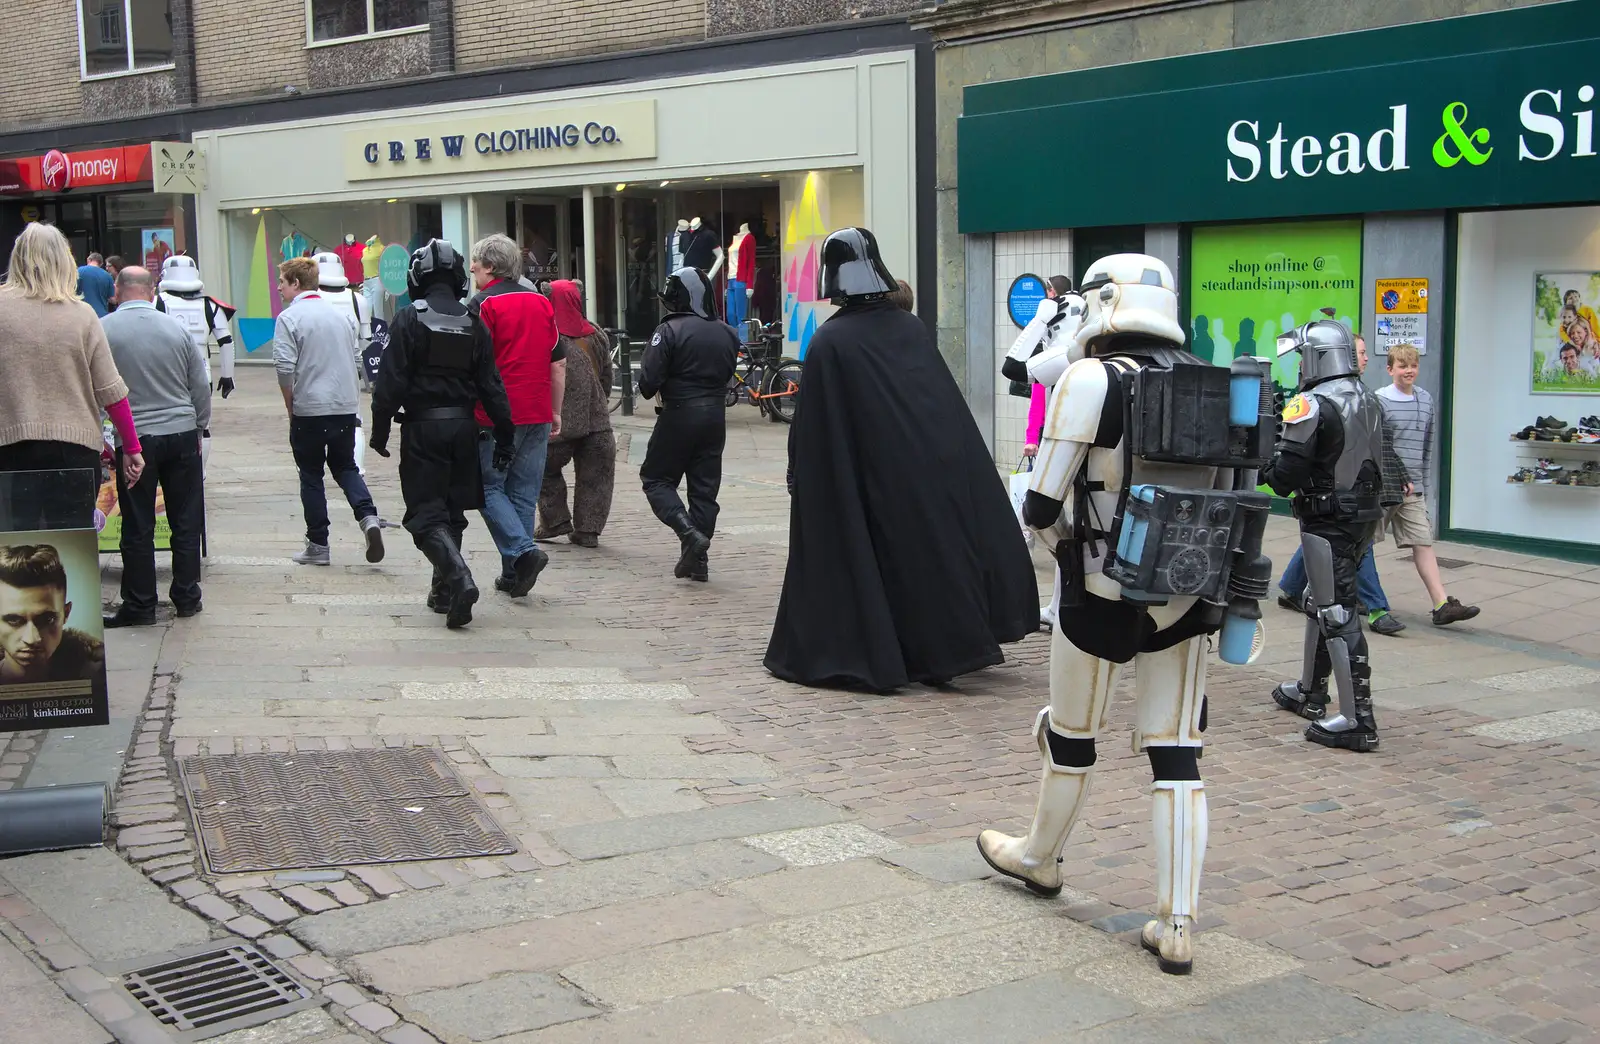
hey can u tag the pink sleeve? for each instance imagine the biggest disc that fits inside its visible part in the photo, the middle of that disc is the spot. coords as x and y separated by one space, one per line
1036 414
121 415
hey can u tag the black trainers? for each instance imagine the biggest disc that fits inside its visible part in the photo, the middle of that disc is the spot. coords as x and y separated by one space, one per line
1452 611
1387 624
1290 602
1550 422
183 612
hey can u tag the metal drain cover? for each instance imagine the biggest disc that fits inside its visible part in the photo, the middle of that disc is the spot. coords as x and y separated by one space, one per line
260 812
215 989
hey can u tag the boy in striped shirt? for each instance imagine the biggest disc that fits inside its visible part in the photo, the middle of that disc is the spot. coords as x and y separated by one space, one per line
1409 413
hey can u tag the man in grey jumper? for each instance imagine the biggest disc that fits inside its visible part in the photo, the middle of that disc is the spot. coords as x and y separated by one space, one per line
171 402
314 349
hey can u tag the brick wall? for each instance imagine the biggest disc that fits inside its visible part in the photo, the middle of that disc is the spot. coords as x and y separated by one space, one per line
249 47
39 79
492 33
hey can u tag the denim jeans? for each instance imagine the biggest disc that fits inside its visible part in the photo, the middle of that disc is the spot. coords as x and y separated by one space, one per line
330 441
1368 589
510 496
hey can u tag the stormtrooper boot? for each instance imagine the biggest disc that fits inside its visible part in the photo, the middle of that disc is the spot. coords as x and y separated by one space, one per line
1180 820
1035 860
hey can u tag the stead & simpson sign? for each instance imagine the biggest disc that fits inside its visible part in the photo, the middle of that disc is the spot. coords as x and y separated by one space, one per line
508 140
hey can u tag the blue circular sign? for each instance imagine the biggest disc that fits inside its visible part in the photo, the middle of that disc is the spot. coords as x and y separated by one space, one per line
1023 299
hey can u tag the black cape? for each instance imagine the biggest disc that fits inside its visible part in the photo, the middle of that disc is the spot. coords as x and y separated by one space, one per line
906 562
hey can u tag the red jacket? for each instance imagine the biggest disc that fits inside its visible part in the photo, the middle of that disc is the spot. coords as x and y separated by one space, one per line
523 326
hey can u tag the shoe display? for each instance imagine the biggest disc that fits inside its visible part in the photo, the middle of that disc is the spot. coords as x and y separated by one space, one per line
314 554
1522 475
1452 611
1386 623
1550 422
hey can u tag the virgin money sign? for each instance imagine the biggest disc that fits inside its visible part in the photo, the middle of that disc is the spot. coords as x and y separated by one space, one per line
58 171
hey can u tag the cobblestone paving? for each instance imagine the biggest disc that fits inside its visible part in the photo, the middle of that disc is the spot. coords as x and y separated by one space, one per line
706 854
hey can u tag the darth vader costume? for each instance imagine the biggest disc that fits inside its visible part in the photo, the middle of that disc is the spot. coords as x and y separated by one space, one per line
440 362
905 560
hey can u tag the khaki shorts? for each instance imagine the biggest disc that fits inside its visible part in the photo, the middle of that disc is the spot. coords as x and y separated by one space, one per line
1409 522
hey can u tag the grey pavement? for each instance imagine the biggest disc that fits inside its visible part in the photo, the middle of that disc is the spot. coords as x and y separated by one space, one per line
706 855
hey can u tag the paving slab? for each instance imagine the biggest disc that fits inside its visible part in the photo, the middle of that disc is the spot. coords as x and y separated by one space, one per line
815 846
723 1017
949 862
645 833
303 1027
799 891
1420 1028
650 797
1290 1010
694 766
112 911
551 942
853 931
547 803
712 962
83 755
498 1008
414 918
1221 963
1044 1007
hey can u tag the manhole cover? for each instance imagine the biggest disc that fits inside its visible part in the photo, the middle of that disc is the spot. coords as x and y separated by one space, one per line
259 812
1453 563
204 993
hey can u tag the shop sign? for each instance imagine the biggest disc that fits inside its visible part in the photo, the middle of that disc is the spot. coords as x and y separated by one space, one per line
10 176
58 171
178 167
55 171
508 140
1491 128
393 265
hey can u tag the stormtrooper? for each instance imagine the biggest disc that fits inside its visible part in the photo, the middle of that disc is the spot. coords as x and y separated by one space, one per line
334 286
1330 456
1145 491
183 296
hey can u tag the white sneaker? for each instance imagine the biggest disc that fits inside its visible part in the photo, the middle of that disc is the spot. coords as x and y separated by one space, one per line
314 554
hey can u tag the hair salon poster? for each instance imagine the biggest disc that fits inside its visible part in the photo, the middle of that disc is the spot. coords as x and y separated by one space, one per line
53 670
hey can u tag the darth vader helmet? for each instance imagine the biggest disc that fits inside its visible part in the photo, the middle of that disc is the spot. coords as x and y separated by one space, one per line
688 290
180 275
852 269
436 261
1327 350
330 272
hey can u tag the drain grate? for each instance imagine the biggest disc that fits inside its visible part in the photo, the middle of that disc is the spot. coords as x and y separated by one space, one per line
262 812
216 990
1453 563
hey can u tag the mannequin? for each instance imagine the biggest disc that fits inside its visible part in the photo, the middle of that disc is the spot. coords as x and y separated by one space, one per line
372 286
676 240
350 252
704 251
741 274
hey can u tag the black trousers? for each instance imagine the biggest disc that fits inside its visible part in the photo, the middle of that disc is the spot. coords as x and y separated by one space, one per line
1349 542
48 500
686 443
439 474
330 442
172 463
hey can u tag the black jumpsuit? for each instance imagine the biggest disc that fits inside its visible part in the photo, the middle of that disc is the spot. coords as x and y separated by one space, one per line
436 379
689 362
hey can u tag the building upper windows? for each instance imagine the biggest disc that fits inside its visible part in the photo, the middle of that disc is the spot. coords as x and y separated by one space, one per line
123 36
328 21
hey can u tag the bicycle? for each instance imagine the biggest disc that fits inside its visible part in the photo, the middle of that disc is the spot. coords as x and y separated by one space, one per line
763 376
623 380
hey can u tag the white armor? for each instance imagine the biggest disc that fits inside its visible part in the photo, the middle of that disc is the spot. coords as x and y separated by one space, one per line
182 295
334 287
1131 300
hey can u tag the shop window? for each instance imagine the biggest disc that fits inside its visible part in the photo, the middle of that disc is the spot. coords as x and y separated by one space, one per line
121 36
330 20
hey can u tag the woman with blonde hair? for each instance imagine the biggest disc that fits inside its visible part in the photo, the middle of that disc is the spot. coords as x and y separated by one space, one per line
56 371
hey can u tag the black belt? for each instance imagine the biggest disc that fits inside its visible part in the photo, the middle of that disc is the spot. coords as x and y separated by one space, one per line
684 404
441 413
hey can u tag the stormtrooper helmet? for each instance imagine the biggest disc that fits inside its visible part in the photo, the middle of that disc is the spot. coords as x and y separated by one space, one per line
179 275
1047 367
330 272
1129 294
1327 350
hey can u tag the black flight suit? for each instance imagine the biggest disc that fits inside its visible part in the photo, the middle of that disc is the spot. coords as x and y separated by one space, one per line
438 364
689 362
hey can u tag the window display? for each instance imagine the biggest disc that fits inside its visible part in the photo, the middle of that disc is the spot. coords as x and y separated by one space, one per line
1566 333
143 229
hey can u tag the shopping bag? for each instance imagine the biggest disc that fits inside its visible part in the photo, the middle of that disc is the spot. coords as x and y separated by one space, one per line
1019 494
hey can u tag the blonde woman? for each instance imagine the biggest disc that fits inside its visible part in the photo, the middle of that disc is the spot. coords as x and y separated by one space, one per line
56 371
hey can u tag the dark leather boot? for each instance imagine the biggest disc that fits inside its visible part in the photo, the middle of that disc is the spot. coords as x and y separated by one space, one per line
692 542
460 593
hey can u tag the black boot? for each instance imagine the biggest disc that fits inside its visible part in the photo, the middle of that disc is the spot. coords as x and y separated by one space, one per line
1311 704
460 592
702 568
438 594
692 542
1364 737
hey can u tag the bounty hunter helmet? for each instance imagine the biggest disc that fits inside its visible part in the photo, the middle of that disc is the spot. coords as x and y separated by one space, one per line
688 290
852 269
1327 350
180 275
1129 294
330 272
436 261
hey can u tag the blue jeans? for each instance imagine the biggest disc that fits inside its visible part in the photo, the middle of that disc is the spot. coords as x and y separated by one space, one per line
1368 589
510 496
329 442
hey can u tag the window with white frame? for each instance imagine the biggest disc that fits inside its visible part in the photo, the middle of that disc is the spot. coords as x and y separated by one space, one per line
120 36
329 20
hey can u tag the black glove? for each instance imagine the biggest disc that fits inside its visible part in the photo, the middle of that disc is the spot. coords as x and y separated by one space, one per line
226 386
380 440
503 452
